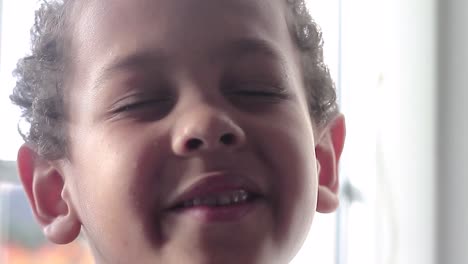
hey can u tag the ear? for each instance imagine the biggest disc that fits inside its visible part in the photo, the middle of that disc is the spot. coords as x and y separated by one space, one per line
328 152
48 197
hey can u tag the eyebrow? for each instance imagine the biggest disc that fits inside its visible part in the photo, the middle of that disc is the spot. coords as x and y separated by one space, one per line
251 46
234 50
139 60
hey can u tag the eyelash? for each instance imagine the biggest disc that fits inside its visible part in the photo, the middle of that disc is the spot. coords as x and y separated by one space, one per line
133 106
260 91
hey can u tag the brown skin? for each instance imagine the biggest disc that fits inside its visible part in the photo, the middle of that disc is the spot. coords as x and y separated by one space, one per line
126 165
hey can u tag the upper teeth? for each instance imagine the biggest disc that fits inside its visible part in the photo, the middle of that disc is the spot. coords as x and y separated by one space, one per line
222 199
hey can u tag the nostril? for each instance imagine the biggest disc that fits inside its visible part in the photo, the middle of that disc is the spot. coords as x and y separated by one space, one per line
193 144
228 139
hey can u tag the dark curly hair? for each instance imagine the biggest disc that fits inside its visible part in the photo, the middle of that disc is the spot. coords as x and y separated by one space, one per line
39 90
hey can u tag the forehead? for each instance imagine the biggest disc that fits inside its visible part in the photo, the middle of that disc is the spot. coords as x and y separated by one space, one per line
123 14
107 28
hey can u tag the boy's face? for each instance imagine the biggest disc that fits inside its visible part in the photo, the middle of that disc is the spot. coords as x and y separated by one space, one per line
183 102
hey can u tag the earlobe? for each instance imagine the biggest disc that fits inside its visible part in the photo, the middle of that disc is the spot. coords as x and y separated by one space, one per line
48 197
328 152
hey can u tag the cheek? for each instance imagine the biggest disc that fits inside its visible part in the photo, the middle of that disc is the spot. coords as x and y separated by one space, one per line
290 149
115 175
126 168
298 178
290 145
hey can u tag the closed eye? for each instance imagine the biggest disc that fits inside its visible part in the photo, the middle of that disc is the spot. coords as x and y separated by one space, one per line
258 98
260 93
137 105
143 109
257 93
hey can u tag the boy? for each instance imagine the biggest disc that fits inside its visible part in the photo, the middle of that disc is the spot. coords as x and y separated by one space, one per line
179 131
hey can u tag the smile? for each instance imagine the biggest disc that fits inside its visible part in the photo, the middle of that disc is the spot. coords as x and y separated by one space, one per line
218 198
222 199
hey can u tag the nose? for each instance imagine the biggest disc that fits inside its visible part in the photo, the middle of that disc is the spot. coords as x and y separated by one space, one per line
206 129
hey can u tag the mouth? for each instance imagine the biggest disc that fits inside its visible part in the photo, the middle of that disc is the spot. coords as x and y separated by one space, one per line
230 198
218 199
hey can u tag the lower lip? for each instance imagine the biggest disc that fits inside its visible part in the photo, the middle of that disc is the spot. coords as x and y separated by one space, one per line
220 213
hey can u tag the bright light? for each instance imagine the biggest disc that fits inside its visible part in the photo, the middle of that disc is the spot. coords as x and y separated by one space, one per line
14 44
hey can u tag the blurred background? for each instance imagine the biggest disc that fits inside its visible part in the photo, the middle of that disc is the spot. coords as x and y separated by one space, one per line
400 68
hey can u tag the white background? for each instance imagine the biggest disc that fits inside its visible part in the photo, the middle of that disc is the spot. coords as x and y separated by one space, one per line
17 19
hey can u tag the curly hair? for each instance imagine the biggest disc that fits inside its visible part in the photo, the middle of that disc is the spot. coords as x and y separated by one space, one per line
318 84
39 90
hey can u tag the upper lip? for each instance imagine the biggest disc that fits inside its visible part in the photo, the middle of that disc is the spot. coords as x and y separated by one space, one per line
213 184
